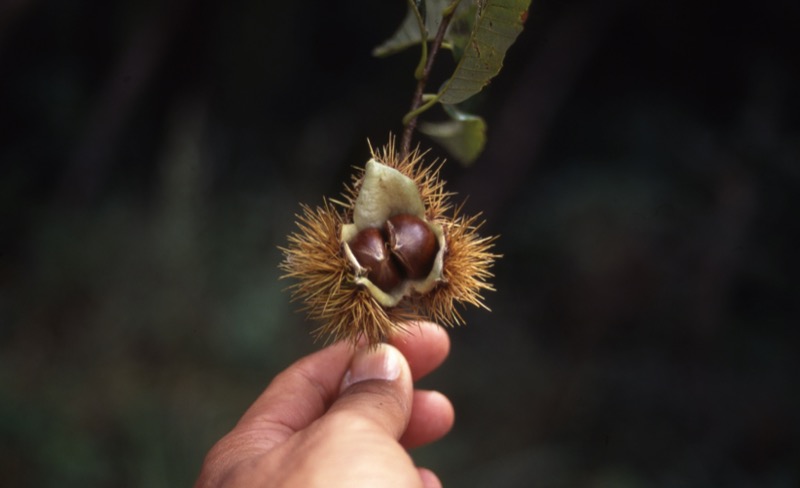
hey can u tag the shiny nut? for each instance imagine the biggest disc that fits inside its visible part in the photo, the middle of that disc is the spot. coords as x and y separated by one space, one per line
369 249
413 244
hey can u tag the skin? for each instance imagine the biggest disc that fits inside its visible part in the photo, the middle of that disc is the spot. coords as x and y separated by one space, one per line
340 417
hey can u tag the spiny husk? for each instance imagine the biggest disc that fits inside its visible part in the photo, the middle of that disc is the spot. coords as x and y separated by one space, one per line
467 270
324 278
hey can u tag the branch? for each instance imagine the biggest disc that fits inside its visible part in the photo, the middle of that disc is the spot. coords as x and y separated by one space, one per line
417 99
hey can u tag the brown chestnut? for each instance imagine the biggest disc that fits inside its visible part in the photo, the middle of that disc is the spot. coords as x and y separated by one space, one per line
369 249
413 244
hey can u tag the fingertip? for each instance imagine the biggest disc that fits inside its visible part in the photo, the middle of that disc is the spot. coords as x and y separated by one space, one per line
432 417
425 345
383 362
429 478
429 330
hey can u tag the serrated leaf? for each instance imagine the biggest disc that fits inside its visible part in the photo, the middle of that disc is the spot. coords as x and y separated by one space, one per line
408 33
497 25
464 135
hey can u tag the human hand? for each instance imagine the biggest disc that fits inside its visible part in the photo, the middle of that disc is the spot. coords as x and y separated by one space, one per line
340 418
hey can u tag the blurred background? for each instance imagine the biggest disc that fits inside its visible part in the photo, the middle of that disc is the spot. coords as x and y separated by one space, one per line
642 171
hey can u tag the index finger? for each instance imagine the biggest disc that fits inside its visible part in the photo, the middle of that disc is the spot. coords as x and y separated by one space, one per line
425 346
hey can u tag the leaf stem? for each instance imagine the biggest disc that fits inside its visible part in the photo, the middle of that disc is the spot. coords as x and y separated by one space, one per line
428 101
423 59
416 100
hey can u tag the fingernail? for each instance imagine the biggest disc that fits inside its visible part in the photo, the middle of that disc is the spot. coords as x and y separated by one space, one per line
378 363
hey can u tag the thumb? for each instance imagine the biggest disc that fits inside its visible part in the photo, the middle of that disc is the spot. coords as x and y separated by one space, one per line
377 387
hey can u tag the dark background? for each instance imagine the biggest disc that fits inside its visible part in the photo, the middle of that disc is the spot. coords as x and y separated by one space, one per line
642 171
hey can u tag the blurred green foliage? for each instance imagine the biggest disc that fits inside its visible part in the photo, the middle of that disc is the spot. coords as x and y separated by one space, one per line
642 171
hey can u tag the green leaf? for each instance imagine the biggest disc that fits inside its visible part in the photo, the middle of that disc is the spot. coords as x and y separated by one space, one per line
464 136
408 33
460 30
497 25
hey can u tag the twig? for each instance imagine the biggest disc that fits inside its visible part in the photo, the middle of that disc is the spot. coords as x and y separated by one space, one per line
416 101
